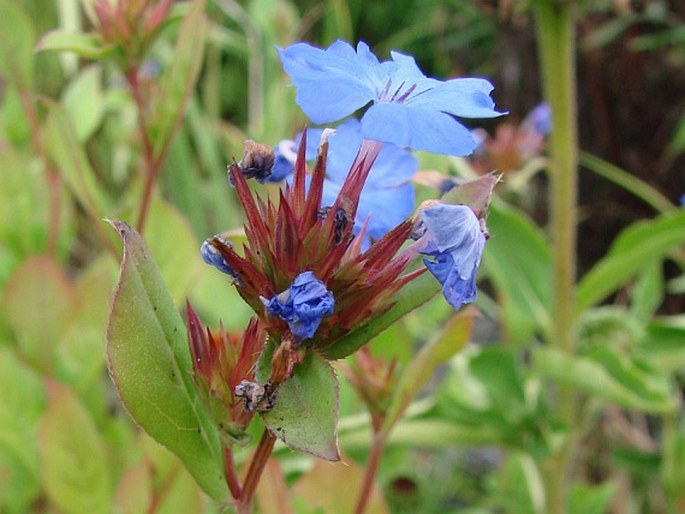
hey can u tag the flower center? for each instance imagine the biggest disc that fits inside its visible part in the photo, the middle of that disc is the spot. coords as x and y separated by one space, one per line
398 96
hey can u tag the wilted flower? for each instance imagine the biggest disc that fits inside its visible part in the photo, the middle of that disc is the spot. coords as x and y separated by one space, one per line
408 108
456 243
303 305
387 198
257 162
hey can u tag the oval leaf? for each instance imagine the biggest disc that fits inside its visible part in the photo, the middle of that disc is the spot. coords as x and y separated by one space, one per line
519 262
305 416
150 364
73 455
37 319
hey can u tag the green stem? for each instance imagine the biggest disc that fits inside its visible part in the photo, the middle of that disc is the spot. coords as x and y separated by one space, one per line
556 41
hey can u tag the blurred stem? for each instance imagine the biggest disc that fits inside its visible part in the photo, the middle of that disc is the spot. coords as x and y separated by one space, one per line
152 164
377 448
51 176
556 43
254 473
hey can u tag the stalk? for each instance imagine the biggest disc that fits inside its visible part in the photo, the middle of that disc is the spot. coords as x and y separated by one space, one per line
370 474
556 42
259 460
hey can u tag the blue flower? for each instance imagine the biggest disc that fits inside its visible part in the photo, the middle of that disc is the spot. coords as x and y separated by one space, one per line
387 198
456 245
302 305
408 108
284 164
212 257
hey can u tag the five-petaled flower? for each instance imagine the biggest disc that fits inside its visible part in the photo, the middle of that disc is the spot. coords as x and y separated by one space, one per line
408 108
387 198
456 242
303 305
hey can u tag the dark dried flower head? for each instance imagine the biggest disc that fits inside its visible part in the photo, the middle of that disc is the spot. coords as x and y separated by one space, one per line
257 161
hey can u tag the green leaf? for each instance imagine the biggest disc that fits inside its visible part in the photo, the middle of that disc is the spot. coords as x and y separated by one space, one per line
518 261
595 499
65 150
177 257
85 101
79 357
305 416
604 373
179 79
73 455
648 293
16 45
636 247
520 487
417 373
39 301
21 406
149 361
88 46
408 298
664 344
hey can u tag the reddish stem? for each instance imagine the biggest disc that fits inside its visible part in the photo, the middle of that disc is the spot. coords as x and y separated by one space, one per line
371 469
52 177
231 477
152 164
254 473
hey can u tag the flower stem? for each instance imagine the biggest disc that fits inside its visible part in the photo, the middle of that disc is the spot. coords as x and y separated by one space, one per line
229 470
254 473
377 448
556 42
152 164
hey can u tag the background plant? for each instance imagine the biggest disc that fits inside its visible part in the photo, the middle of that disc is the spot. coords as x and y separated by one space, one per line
72 152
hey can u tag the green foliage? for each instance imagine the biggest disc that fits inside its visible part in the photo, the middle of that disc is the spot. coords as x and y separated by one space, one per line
78 144
305 416
150 363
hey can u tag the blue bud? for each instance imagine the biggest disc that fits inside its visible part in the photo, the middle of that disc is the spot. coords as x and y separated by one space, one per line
303 305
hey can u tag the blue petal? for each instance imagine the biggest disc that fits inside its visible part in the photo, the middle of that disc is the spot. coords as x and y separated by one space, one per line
212 257
333 83
387 208
303 305
418 128
456 290
285 155
465 97
456 244
450 225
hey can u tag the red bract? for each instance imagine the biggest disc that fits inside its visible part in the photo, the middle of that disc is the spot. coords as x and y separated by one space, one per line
130 23
298 234
221 360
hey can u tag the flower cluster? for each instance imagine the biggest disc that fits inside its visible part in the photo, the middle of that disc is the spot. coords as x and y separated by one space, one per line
333 250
